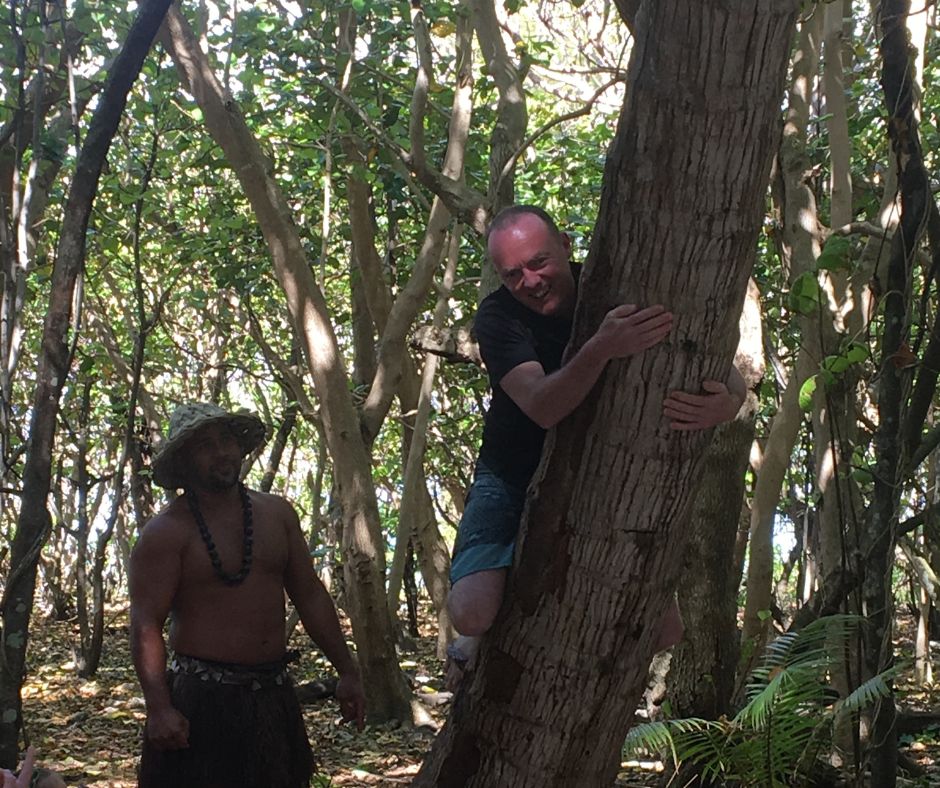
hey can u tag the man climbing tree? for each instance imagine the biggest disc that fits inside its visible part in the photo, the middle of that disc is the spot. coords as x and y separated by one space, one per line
523 328
680 211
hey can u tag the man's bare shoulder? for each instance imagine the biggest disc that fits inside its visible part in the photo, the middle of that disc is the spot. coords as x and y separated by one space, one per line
274 504
170 527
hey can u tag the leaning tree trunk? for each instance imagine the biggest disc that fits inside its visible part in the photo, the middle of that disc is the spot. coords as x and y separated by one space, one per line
389 697
565 664
33 524
798 247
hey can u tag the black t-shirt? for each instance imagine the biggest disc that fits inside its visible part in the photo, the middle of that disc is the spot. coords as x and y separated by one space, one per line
509 334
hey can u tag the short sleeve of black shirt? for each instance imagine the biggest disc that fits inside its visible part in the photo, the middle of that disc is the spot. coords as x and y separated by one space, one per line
509 334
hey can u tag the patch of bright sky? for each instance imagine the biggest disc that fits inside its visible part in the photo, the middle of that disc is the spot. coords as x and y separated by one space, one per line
586 46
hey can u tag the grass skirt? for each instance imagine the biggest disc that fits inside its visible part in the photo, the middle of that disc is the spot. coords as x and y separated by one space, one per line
246 730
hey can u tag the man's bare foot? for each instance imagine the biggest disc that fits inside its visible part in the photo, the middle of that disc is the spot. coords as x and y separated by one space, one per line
461 656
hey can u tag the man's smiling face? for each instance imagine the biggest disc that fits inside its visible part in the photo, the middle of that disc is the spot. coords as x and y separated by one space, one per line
533 263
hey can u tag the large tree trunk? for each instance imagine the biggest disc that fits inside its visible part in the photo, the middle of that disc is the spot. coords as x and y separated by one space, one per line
363 543
564 666
33 524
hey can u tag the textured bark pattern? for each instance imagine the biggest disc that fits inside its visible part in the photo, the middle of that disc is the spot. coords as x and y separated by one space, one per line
700 682
563 669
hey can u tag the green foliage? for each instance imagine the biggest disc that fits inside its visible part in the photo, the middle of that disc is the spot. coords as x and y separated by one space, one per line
787 721
835 254
805 295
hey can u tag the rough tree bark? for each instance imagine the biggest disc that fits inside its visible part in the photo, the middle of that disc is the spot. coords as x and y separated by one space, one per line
33 523
564 666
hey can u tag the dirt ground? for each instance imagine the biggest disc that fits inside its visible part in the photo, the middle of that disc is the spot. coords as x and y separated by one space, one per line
89 729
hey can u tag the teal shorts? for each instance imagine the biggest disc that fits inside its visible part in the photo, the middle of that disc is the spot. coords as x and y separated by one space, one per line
486 536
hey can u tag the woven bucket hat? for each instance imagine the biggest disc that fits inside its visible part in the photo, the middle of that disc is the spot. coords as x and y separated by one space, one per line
185 421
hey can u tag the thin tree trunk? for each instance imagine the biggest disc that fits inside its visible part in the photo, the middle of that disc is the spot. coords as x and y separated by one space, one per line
562 669
898 81
82 526
33 524
512 118
798 244
363 544
409 512
432 553
288 420
700 682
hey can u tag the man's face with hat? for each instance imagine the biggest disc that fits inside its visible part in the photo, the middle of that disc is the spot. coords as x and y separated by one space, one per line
205 445
213 455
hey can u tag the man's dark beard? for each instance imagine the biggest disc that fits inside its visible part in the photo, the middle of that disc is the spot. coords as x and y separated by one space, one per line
216 481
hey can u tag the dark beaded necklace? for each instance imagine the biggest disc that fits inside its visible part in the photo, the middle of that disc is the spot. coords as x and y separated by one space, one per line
247 539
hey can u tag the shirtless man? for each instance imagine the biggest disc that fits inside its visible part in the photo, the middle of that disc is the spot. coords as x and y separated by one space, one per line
217 562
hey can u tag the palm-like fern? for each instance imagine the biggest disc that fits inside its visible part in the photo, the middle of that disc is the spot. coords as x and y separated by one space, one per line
775 739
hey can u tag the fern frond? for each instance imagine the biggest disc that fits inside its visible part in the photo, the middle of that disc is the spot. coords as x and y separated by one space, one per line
865 695
650 737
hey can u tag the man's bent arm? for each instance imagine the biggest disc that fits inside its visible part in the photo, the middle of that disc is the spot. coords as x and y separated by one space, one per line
547 399
318 614
313 602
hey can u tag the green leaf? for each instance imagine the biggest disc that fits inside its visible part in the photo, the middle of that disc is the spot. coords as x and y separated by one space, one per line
863 475
806 393
9 716
835 254
836 364
856 353
804 295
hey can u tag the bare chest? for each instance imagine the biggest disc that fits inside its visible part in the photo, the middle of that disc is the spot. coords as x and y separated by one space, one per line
224 545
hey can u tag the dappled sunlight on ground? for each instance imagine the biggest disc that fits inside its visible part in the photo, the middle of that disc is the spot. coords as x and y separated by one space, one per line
89 729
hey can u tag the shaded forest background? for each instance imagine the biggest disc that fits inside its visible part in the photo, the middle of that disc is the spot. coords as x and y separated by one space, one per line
296 181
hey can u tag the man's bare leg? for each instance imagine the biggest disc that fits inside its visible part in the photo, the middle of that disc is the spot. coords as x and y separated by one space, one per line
473 603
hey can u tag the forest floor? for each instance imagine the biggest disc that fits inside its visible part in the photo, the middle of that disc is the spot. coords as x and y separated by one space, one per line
89 730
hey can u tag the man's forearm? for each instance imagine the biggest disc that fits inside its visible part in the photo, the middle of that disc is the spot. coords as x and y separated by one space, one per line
319 618
149 656
557 395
